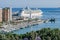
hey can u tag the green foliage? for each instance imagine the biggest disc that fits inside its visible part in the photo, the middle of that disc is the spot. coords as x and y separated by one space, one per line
45 34
0 23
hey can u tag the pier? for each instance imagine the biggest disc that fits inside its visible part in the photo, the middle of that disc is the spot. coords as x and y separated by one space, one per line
23 24
11 27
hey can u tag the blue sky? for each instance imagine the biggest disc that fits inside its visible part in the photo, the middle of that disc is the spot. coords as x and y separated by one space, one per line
30 3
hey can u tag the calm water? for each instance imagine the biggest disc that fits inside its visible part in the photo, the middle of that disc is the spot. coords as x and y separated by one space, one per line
47 14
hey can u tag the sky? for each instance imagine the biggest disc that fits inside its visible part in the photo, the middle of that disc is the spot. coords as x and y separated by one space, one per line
30 3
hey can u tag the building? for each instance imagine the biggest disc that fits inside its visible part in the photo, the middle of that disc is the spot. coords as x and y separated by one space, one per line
10 14
0 14
7 14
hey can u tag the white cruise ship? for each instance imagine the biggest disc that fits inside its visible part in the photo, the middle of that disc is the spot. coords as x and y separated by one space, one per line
29 13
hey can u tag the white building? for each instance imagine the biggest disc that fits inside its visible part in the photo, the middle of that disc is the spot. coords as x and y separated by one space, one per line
10 14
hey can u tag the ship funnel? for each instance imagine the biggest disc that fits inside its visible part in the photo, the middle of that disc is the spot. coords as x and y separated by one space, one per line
27 8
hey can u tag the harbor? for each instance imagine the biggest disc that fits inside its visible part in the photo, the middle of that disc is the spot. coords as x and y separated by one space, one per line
13 21
29 20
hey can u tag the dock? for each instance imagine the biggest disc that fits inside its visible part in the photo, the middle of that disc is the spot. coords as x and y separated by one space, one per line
11 27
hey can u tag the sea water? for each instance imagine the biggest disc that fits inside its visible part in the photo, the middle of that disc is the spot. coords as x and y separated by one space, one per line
48 13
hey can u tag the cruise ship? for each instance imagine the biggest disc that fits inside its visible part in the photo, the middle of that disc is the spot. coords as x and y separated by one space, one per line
29 13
